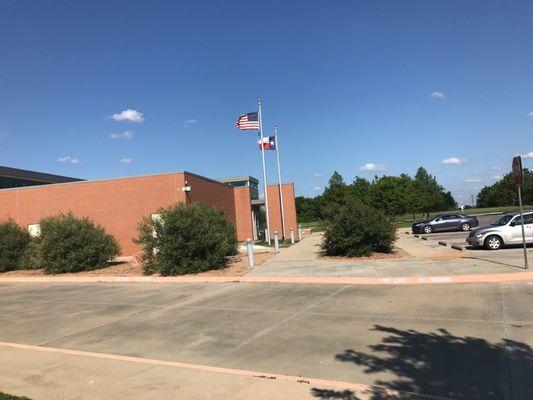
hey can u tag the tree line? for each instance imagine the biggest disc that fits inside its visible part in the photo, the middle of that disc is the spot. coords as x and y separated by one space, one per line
394 195
503 192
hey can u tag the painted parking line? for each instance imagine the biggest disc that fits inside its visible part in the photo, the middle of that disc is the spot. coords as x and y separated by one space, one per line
358 387
338 280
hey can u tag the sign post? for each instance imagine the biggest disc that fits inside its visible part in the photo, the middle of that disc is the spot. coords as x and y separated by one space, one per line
518 179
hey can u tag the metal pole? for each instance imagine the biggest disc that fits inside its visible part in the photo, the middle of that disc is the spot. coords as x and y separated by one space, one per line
264 170
279 185
276 242
292 235
522 224
250 251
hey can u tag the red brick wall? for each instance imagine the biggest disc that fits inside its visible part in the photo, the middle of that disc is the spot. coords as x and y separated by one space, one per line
289 208
117 204
210 191
243 213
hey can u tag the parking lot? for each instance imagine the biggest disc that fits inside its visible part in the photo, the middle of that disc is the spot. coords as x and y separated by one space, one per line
101 341
512 256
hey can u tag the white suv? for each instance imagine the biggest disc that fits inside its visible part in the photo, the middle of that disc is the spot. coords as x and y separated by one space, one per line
506 230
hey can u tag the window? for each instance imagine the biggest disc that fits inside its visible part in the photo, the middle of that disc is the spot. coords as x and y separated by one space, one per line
528 219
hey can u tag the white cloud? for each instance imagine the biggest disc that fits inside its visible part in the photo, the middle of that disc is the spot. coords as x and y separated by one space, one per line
126 160
453 161
128 115
474 181
190 122
318 174
530 114
127 135
68 159
495 168
497 177
438 95
528 155
373 167
318 188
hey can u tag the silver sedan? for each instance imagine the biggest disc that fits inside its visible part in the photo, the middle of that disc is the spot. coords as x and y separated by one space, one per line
505 231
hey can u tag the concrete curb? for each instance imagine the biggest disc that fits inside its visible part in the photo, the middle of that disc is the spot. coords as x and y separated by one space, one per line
458 247
443 243
299 379
424 238
319 280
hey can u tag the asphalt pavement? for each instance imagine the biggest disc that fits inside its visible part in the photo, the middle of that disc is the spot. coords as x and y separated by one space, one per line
464 341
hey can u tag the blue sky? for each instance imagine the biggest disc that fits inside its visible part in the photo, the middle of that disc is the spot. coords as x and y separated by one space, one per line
365 88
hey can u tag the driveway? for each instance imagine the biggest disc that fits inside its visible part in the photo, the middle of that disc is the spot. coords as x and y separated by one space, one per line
464 341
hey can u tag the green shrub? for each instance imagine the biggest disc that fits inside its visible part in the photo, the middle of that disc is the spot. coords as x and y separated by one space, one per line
5 396
186 239
13 244
70 244
356 230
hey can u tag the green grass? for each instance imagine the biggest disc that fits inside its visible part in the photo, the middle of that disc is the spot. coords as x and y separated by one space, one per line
4 396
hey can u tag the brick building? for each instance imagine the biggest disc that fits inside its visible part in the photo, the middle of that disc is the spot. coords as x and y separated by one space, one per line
119 204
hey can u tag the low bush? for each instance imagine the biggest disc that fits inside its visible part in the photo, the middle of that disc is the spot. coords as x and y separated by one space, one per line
356 230
186 239
5 396
14 242
70 244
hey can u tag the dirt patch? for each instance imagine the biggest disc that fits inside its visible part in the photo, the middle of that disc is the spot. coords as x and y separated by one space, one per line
395 255
129 266
238 268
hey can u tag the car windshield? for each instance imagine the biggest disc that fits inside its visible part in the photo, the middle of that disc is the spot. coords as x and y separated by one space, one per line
503 220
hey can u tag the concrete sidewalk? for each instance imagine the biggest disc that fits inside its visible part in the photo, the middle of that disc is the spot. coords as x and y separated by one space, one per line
302 259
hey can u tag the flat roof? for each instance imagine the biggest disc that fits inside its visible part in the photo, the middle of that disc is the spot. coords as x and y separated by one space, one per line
73 181
238 179
8 172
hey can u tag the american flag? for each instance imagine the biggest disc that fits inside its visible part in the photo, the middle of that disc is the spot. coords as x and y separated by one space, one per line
248 121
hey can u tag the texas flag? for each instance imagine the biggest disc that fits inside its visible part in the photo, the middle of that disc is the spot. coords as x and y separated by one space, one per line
268 143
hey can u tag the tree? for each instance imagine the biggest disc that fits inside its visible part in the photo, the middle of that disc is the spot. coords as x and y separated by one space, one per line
504 193
393 194
306 209
335 193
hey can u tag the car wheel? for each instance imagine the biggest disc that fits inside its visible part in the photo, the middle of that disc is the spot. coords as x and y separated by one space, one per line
493 242
428 229
465 227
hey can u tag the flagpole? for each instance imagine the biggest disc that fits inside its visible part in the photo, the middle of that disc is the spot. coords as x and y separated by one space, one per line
279 184
264 171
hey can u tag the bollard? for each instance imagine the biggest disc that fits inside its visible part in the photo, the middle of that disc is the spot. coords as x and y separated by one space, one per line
276 242
292 236
267 236
299 231
250 251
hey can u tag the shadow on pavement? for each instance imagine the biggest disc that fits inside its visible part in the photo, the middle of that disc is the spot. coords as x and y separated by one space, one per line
515 266
442 365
